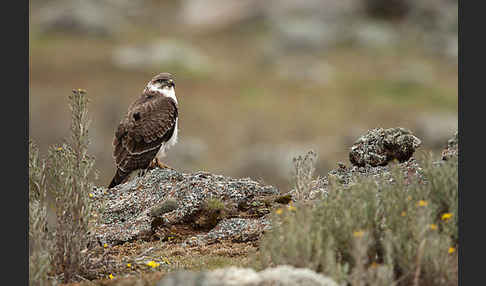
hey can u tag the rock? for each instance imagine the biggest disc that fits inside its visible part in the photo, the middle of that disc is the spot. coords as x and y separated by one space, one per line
375 35
164 207
94 18
388 9
237 229
308 26
369 156
168 52
139 209
181 278
232 276
452 149
212 15
380 146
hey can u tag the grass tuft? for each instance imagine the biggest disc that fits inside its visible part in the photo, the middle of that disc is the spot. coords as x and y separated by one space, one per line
304 168
40 246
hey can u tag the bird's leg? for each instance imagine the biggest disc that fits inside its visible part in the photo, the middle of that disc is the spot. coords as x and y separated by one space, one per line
142 172
152 164
161 165
157 163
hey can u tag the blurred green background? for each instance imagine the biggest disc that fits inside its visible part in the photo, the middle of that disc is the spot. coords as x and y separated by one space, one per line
258 82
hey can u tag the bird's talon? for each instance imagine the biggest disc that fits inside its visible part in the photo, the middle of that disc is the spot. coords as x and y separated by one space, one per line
162 165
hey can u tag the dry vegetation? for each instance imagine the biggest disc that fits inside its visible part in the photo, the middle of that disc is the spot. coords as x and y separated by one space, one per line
375 232
64 174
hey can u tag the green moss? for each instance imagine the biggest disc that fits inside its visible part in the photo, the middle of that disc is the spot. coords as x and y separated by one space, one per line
164 207
214 204
284 199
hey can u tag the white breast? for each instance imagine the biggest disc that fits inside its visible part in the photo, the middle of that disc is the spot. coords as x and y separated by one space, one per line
166 91
166 145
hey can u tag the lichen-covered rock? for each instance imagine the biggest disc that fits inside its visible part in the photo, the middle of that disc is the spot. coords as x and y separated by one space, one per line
452 147
379 146
237 229
165 198
283 275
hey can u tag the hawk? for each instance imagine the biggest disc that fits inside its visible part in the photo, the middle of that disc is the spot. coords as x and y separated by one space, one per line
148 129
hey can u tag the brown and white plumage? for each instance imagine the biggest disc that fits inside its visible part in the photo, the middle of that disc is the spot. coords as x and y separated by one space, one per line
148 129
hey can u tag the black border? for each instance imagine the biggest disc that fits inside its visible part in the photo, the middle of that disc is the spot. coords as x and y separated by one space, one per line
15 128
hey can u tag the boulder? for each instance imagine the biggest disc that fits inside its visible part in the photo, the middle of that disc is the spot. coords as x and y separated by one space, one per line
166 203
379 146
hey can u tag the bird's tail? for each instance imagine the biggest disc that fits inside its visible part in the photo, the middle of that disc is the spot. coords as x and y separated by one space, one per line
119 178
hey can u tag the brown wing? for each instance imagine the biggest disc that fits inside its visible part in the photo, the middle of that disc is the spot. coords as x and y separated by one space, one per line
149 122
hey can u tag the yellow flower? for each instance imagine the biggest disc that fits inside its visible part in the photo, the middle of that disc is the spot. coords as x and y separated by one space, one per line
404 213
374 264
433 226
153 264
422 203
129 265
59 149
358 233
111 276
105 245
279 211
446 216
292 208
451 249
90 195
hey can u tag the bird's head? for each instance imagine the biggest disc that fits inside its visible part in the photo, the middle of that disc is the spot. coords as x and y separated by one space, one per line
163 84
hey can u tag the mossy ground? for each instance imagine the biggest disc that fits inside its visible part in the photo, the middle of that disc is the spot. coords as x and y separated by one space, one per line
171 257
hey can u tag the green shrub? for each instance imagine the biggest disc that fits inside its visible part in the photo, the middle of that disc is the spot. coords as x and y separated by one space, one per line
64 173
68 171
375 232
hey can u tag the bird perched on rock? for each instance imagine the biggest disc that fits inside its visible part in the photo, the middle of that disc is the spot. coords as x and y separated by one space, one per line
148 129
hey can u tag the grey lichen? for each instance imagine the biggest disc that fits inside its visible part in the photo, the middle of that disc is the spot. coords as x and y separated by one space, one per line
379 146
132 210
452 147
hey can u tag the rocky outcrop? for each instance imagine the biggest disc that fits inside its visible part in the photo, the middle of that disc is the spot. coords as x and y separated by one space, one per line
202 208
452 149
379 146
370 156
198 207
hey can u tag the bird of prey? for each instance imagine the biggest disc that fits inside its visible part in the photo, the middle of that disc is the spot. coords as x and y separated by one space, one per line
148 129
